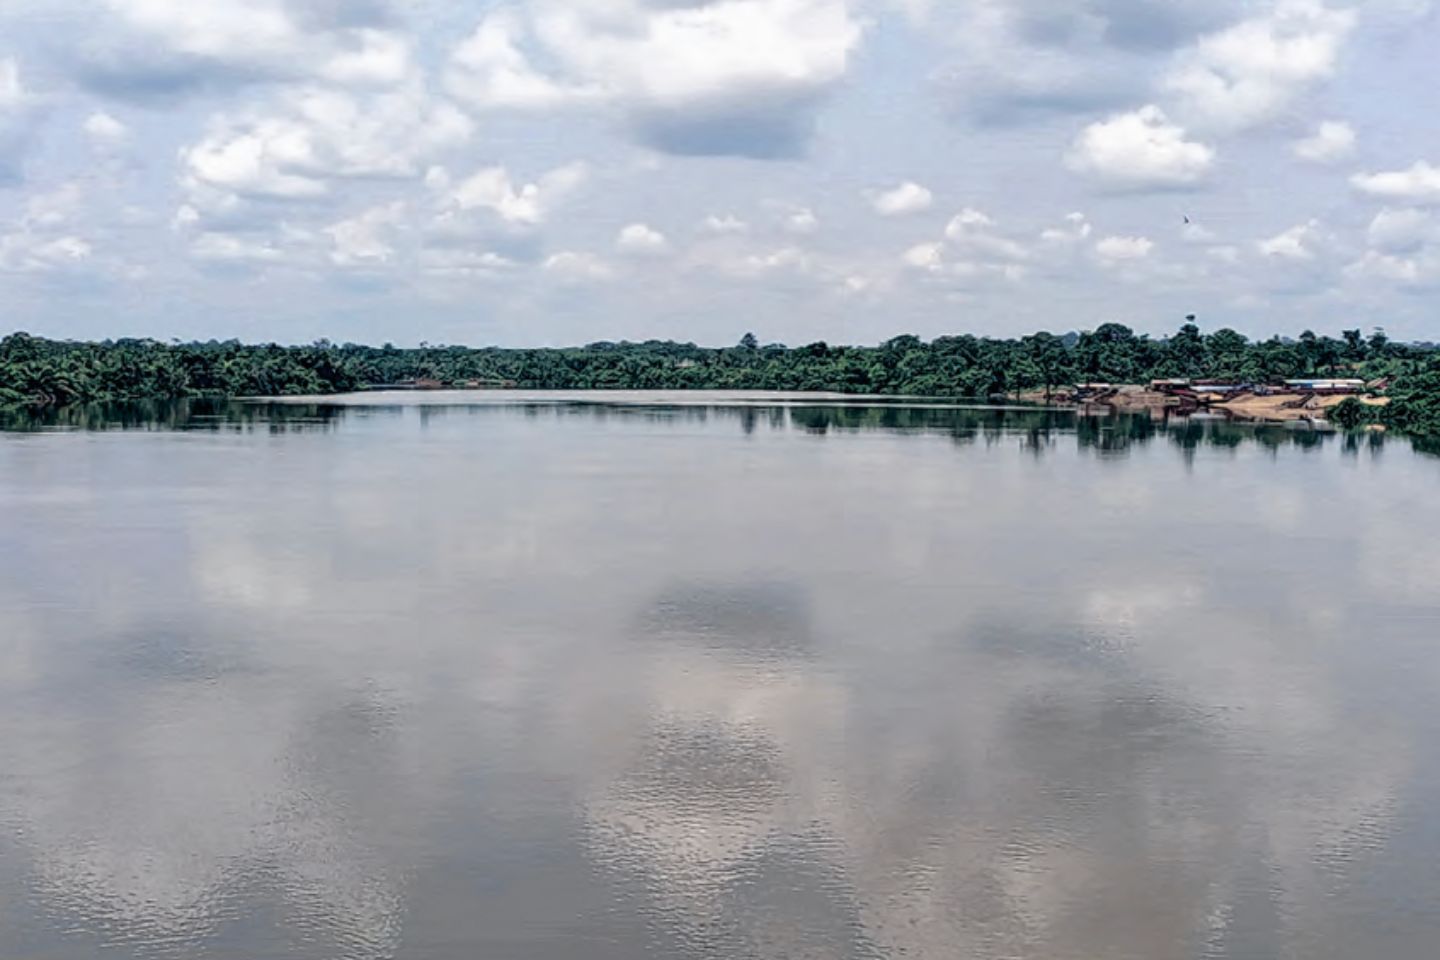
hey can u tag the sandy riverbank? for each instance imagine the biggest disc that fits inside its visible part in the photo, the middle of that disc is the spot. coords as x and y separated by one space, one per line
1282 407
1267 408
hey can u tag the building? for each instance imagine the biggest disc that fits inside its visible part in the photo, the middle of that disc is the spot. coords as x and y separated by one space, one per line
1325 386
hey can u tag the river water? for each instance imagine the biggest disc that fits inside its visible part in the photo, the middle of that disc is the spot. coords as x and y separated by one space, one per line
499 676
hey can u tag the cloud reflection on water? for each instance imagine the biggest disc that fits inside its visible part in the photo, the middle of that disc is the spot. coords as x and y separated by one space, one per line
865 696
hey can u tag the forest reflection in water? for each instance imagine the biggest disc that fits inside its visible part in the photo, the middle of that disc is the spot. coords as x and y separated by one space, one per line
1037 428
700 679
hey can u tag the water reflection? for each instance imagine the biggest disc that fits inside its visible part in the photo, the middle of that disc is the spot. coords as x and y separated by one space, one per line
170 415
544 680
1038 430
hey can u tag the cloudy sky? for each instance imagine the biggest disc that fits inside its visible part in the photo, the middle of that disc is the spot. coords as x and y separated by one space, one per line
559 171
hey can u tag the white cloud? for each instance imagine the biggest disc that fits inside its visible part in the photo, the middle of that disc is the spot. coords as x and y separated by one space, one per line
17 114
492 188
363 240
145 48
907 198
967 220
54 208
105 129
738 77
1404 249
1421 271
345 123
578 266
313 135
723 224
374 57
925 256
1297 243
26 252
252 162
1331 142
1118 248
786 259
489 69
1018 60
49 234
972 233
1248 73
1402 231
11 92
973 248
1077 228
1139 150
1419 184
464 262
639 239
229 31
801 220
228 248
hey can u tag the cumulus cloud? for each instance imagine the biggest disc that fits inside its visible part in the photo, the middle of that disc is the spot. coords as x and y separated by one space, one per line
782 260
925 256
26 252
490 69
48 237
314 135
973 248
1297 243
371 57
364 240
578 266
148 48
1404 249
799 220
105 129
228 248
1248 73
1419 183
1331 142
462 262
641 240
704 77
973 233
1421 271
1402 231
238 34
54 208
1018 60
17 114
493 189
1076 229
1117 248
723 223
906 198
319 117
1140 150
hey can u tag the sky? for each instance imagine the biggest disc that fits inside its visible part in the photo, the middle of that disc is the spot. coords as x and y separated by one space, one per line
550 172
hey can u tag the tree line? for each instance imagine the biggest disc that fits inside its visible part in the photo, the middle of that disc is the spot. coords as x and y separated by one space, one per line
38 371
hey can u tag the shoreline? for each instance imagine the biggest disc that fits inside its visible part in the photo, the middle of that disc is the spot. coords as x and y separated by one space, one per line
1287 406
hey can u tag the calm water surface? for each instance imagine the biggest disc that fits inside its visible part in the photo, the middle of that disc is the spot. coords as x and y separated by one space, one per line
447 678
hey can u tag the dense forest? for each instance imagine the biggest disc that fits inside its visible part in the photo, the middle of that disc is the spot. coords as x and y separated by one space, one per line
38 371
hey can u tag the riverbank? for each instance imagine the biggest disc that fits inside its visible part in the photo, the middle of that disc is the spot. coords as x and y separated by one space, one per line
1246 406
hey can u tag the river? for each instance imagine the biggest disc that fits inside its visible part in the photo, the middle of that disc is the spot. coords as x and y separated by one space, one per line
538 677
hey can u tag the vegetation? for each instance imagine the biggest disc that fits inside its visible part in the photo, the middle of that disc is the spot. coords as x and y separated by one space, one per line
40 372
